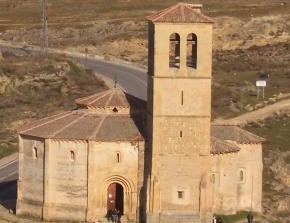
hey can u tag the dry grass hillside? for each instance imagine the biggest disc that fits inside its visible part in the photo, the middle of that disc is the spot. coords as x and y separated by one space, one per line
32 88
276 179
251 39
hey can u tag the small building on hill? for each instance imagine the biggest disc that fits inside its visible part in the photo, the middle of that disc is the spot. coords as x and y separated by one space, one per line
160 161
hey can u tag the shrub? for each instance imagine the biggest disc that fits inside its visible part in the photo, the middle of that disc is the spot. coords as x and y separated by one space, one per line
7 149
287 159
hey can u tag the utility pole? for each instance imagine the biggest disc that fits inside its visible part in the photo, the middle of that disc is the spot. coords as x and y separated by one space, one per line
44 43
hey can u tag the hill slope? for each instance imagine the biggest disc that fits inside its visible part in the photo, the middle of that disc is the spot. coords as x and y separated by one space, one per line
33 87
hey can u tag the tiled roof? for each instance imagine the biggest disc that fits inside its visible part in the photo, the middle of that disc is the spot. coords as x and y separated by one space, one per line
92 121
234 133
181 13
219 146
109 99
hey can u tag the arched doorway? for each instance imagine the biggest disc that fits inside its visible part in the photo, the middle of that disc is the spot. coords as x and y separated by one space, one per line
115 197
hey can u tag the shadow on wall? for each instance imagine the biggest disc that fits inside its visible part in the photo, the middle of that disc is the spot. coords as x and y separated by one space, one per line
8 195
138 113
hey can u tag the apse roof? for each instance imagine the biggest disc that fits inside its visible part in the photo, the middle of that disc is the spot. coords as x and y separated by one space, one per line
112 98
181 13
219 146
234 133
104 116
85 125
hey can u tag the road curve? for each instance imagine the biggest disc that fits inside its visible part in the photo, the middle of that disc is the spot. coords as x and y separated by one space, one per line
131 78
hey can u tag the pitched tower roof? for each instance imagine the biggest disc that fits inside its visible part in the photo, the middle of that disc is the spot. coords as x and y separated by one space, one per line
181 13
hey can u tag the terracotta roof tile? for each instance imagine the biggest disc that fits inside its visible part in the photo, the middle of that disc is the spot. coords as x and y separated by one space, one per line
181 13
86 125
47 122
219 146
118 128
109 99
234 133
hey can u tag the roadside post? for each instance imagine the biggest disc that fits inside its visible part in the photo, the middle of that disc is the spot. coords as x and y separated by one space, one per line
261 84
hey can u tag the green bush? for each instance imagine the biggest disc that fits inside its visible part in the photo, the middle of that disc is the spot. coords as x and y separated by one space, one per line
6 150
82 77
287 159
74 69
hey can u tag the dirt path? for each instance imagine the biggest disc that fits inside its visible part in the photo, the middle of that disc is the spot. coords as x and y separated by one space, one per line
280 107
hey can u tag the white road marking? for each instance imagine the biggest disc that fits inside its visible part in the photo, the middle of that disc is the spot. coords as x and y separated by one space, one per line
7 164
10 174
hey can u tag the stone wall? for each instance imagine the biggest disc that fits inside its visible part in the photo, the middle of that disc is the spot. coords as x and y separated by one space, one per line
141 188
105 168
65 180
250 185
31 176
237 180
224 180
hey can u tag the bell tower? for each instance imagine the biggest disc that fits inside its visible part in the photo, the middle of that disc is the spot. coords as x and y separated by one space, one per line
179 110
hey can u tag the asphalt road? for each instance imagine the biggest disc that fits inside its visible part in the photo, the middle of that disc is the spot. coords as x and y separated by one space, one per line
130 78
8 181
9 171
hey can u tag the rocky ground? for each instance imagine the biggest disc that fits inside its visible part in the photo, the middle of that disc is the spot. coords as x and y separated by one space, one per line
251 39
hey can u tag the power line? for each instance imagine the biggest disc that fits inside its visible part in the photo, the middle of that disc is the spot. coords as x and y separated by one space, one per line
44 42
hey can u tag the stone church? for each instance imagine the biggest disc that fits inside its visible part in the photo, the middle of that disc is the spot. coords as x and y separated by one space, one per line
161 161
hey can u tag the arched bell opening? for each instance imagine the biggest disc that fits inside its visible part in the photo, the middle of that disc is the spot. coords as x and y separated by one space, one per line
174 50
191 51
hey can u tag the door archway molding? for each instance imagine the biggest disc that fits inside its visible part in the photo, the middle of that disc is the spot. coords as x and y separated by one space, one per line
128 189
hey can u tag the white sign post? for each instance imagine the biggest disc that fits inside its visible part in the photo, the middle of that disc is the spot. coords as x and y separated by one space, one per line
261 84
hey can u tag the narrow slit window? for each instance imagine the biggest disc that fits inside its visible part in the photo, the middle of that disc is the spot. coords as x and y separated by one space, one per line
191 51
72 156
181 97
174 50
118 157
241 176
34 152
180 134
213 178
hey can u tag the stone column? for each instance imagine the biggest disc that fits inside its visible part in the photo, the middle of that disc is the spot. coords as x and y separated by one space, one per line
46 184
92 203
20 174
183 51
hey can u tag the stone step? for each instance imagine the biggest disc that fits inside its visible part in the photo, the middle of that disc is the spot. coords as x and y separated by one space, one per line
174 218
